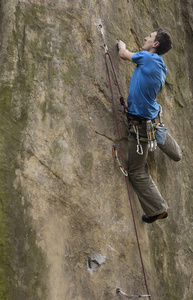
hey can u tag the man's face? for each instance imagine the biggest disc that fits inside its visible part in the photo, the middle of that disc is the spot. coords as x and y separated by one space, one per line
149 41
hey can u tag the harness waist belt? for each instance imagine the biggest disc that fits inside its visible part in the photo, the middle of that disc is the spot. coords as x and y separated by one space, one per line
139 119
136 117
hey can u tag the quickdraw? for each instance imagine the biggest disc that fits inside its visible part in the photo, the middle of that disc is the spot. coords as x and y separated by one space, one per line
139 147
117 159
118 291
100 28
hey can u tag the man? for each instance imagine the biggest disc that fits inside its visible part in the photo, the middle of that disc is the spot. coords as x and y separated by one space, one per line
146 82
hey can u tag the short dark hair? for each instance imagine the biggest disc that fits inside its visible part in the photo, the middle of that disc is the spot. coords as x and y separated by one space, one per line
165 41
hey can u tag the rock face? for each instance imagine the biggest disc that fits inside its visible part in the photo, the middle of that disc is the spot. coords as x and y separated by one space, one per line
66 229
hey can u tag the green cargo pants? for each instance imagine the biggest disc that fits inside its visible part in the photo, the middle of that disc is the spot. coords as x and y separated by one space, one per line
149 196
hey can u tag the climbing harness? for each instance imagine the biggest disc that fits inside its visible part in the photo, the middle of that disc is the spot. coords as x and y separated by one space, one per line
122 102
119 164
134 124
151 128
155 131
118 291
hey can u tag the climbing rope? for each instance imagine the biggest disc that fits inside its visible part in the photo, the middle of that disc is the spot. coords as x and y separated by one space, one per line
122 102
120 144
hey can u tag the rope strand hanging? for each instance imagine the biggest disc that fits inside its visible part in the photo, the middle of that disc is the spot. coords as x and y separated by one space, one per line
122 102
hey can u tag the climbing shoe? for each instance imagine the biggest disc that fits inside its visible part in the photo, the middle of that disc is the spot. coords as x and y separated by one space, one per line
154 218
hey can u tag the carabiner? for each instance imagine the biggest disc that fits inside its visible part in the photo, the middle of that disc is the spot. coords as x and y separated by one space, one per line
117 159
123 171
139 149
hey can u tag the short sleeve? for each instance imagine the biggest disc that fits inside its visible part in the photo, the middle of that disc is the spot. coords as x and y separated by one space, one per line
140 58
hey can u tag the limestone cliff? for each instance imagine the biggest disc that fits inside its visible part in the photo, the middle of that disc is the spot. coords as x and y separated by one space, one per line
66 230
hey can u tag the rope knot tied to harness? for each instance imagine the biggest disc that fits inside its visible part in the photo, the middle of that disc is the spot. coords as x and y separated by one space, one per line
122 101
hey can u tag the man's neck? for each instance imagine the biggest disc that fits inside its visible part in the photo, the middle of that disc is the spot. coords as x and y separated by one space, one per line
152 50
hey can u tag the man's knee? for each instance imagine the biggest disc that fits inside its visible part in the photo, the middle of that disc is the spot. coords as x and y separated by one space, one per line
171 148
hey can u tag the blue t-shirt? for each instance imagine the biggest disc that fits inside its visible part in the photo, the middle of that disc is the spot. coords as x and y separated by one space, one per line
146 82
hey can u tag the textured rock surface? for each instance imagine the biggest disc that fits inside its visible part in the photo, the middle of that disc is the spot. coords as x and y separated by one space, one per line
66 229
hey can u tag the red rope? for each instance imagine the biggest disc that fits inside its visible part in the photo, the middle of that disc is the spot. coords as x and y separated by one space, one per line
126 180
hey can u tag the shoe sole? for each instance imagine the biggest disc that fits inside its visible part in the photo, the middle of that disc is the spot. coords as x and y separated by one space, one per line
153 219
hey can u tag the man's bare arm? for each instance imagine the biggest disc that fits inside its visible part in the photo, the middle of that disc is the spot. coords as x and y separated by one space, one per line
123 52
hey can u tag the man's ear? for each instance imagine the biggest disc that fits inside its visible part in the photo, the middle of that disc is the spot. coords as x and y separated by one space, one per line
156 44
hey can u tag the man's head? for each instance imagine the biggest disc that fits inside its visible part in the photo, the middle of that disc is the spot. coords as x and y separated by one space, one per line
165 41
159 42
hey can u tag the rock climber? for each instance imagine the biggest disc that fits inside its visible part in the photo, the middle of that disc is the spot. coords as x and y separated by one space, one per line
146 82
